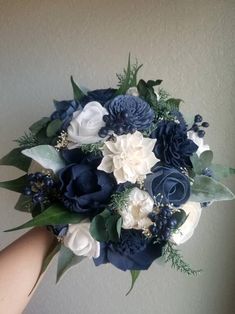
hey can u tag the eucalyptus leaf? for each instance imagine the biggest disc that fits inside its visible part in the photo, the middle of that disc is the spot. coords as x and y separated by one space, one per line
202 162
53 215
39 125
24 204
16 185
53 127
119 226
206 158
206 189
66 260
16 159
106 226
47 156
77 92
220 171
134 276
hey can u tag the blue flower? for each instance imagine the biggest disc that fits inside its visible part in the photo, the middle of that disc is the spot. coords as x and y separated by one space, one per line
173 146
167 186
85 189
100 95
64 111
133 252
127 114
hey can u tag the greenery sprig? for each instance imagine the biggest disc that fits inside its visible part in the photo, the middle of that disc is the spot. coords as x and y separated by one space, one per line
27 140
94 148
120 199
173 255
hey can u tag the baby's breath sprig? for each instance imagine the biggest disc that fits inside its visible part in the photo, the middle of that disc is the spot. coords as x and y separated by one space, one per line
173 255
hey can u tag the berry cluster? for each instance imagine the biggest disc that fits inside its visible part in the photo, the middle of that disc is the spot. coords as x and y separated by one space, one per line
163 223
39 187
198 122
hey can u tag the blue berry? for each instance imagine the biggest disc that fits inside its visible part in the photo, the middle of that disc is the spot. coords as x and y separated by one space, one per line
27 191
201 133
103 132
195 128
198 118
106 118
205 124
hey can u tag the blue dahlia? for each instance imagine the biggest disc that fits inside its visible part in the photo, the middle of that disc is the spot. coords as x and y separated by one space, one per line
173 146
127 114
134 251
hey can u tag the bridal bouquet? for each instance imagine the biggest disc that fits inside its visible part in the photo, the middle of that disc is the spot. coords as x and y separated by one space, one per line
117 175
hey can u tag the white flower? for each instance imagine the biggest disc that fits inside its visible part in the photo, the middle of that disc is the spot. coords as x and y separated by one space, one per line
85 125
129 157
132 91
135 214
198 141
184 233
79 240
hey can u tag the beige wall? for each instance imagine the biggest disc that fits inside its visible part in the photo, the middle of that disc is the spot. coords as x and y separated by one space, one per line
189 44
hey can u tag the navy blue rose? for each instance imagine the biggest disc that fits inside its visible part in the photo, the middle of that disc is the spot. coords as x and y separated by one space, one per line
173 146
85 189
64 111
100 95
167 185
133 252
127 114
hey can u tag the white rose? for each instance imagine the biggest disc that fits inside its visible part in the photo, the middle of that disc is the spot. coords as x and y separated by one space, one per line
79 240
184 233
198 141
85 125
132 91
130 157
135 214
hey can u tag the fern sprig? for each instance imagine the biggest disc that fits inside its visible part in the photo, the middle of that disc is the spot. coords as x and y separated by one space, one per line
173 255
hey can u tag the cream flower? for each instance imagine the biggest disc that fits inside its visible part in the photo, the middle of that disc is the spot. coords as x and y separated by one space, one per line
85 125
79 240
132 91
184 233
129 157
199 142
135 214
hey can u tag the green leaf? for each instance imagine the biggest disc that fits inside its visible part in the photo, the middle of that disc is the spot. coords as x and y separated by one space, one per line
134 276
202 162
39 125
104 227
173 103
16 159
206 189
77 92
24 204
53 127
47 156
55 249
152 83
53 215
119 226
220 171
15 185
66 260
